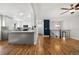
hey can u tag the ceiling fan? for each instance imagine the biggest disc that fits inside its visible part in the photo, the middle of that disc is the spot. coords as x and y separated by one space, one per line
72 8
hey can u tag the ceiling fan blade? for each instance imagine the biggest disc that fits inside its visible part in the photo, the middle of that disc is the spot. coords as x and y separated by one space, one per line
77 5
65 8
76 8
72 6
64 12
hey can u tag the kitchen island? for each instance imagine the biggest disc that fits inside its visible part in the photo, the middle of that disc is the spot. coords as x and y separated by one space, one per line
21 37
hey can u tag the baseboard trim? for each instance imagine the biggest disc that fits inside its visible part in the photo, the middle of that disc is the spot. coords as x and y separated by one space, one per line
45 35
75 38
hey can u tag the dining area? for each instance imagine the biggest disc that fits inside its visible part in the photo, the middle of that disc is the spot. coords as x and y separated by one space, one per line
61 34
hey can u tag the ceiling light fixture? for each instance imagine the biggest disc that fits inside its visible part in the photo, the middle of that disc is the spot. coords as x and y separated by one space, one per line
71 11
29 15
21 14
57 25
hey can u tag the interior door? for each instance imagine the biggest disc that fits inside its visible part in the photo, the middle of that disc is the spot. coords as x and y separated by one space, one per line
46 27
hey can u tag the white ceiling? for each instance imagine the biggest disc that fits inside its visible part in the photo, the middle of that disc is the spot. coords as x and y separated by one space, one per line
43 10
13 9
50 10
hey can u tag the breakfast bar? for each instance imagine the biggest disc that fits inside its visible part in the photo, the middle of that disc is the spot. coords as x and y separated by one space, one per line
21 37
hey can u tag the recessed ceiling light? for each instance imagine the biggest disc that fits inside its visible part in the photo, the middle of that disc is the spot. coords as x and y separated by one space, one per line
57 25
29 15
21 14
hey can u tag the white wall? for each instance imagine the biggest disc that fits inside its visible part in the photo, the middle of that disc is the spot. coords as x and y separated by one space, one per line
68 23
72 23
52 11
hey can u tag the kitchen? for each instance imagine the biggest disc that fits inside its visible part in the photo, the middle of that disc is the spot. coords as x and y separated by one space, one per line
18 24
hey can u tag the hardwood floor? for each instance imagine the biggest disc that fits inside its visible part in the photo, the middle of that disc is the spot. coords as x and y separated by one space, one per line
45 46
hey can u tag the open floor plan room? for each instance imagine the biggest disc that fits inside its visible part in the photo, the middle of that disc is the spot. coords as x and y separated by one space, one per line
39 29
